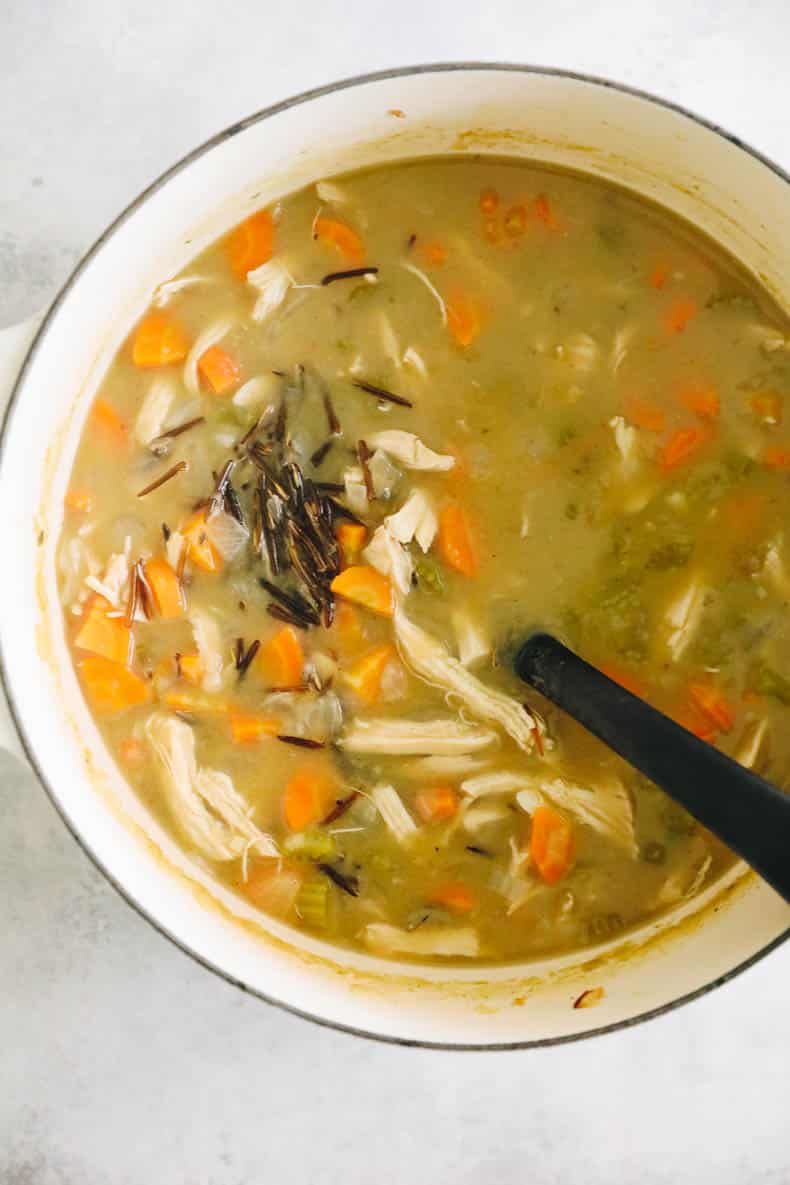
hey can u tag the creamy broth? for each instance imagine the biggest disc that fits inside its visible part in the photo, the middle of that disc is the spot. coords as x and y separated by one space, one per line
345 461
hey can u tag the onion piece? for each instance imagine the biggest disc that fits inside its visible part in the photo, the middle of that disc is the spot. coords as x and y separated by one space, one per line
410 450
426 942
226 534
273 281
154 409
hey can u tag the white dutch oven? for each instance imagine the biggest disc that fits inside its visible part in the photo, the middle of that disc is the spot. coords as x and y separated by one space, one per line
654 149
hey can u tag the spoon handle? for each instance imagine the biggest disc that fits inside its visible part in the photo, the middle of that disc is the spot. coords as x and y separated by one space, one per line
749 814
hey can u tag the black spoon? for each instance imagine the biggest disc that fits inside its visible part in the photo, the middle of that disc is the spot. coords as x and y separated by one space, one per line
749 814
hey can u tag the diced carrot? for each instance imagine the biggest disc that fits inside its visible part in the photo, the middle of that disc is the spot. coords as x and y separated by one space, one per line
551 844
433 253
110 686
777 458
456 542
110 424
200 550
436 803
107 636
456 896
351 539
282 658
464 317
364 677
364 586
489 201
307 798
79 500
251 244
544 212
219 370
644 414
131 751
165 587
191 668
625 678
515 221
694 722
767 406
159 340
245 729
342 238
702 399
659 276
182 699
681 446
713 705
679 313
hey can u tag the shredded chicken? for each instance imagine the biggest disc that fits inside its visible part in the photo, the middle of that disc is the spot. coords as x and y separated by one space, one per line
154 410
473 642
393 735
416 519
583 352
273 281
208 640
204 802
426 941
684 616
752 748
204 341
384 475
429 660
478 815
445 767
113 581
386 555
605 807
171 288
393 812
410 451
500 781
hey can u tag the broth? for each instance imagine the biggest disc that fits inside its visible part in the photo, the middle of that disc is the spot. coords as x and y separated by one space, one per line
345 461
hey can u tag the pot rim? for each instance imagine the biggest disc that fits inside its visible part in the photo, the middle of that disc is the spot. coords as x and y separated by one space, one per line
6 683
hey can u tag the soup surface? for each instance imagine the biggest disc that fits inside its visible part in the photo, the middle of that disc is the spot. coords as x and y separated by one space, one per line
344 460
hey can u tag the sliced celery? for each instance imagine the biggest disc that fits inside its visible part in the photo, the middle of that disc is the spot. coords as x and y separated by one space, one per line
310 845
312 902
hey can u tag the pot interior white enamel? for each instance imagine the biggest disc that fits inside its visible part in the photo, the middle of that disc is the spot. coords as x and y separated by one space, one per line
734 196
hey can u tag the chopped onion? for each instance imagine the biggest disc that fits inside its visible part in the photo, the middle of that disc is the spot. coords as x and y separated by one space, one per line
154 409
257 391
410 451
416 519
273 280
473 642
386 555
426 941
226 534
383 474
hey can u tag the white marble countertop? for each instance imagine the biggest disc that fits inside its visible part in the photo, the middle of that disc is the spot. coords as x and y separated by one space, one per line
121 1061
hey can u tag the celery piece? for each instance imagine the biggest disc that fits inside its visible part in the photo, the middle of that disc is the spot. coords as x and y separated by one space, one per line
429 575
770 682
310 845
311 904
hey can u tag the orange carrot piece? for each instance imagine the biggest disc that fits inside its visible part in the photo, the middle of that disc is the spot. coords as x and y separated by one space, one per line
110 424
307 798
767 406
464 317
544 212
80 501
364 586
489 201
159 340
777 458
251 244
694 722
644 414
110 686
131 751
456 896
515 221
191 668
342 238
200 550
107 636
681 446
659 276
282 658
625 678
679 313
219 370
703 400
492 230
433 253
246 729
713 705
165 587
456 542
435 804
364 677
351 539
551 844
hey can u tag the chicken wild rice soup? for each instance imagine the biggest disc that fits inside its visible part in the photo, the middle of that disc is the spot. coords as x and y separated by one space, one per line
345 460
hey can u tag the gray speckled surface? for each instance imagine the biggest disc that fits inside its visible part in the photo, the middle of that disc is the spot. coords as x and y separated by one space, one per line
123 1063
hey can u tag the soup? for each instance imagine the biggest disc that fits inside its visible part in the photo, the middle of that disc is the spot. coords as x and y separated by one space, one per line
345 461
